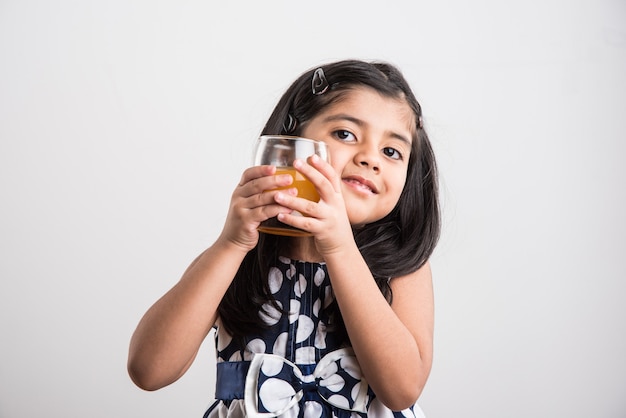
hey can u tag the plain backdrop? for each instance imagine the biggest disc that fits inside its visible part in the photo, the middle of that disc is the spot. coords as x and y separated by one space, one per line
125 125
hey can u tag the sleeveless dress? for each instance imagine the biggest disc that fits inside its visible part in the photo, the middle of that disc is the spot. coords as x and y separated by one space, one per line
296 368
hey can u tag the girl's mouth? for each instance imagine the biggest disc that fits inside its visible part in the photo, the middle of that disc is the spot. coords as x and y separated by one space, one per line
361 184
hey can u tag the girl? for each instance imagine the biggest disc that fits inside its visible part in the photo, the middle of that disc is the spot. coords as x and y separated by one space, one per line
337 324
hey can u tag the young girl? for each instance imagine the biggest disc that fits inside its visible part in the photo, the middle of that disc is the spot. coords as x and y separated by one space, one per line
337 324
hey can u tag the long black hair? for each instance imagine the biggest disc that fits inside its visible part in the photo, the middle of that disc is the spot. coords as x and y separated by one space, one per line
395 245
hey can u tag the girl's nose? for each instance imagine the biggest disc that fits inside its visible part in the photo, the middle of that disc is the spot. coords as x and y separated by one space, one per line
367 157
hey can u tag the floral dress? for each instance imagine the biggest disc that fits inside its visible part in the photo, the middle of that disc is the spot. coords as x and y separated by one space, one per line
296 368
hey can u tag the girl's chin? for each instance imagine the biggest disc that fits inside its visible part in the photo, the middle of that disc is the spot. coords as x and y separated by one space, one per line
360 222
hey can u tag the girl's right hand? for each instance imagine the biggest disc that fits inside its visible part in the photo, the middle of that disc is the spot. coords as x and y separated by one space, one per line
253 202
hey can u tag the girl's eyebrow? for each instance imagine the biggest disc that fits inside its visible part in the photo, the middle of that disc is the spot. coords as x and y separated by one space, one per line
361 123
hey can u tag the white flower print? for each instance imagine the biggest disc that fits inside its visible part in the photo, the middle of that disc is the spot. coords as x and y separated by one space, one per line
320 336
294 310
255 346
316 307
355 391
275 280
334 383
299 286
319 277
291 272
305 328
223 339
280 345
328 296
271 315
272 366
339 400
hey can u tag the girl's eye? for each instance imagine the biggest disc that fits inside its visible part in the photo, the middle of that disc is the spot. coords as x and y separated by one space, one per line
344 136
392 153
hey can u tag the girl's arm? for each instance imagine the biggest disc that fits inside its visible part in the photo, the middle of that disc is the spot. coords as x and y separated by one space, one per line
169 335
394 344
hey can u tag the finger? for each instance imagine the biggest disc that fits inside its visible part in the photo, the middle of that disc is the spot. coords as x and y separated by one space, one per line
263 213
255 172
326 169
292 201
260 179
322 175
265 198
304 223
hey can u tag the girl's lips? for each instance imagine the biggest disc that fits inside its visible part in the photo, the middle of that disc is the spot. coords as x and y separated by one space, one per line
361 184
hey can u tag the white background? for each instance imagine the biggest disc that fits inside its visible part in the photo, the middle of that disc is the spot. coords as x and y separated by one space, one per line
124 126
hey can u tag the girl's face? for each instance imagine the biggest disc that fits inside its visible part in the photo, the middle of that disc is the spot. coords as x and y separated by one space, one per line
369 138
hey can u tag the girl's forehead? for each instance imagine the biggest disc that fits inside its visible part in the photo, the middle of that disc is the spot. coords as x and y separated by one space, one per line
371 106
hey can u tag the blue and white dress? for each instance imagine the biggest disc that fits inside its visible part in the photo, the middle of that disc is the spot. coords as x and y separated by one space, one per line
296 368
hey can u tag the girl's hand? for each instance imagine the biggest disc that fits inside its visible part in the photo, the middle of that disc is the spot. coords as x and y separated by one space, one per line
252 202
327 219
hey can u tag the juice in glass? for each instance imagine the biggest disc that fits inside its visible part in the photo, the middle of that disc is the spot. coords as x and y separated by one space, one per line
306 190
281 151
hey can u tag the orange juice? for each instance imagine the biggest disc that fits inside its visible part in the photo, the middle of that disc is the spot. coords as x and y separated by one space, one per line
306 190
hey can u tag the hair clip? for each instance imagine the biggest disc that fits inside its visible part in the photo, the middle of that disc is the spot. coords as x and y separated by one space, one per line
319 83
290 124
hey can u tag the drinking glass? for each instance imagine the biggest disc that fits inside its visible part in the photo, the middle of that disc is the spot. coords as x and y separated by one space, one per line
281 151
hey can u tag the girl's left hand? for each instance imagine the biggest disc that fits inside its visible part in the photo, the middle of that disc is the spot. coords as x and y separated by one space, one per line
327 219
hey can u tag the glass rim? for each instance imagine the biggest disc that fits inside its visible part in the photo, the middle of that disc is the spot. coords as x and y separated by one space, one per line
291 138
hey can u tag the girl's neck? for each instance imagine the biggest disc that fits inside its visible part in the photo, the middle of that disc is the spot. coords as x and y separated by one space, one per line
302 249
